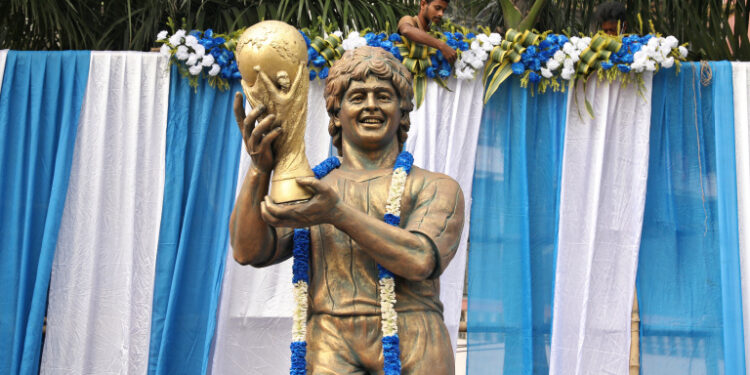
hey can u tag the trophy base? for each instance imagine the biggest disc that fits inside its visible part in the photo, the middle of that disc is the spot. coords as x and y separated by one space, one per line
288 191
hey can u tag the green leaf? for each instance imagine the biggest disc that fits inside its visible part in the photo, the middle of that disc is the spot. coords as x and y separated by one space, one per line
420 86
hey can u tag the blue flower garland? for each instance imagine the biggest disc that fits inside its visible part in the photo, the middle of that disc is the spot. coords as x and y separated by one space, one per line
301 265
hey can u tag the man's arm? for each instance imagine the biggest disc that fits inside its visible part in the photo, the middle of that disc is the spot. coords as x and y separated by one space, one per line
419 252
407 28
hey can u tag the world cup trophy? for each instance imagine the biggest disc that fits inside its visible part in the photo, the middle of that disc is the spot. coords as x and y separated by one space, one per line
272 58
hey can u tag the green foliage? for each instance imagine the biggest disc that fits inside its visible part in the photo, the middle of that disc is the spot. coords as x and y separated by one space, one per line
133 24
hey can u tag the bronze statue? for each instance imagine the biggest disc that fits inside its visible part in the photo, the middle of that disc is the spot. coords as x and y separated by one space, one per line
368 97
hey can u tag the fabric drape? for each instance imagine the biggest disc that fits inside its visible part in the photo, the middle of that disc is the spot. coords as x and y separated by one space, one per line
443 138
99 314
3 56
603 190
688 275
255 315
202 156
40 104
513 232
741 90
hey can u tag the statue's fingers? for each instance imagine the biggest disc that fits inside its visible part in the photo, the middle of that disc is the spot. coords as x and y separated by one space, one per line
311 183
275 210
270 137
239 110
267 217
249 122
262 129
298 78
269 85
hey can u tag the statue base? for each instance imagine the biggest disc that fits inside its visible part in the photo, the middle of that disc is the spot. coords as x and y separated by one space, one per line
288 191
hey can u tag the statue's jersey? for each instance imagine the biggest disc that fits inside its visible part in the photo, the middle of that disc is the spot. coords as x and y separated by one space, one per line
344 278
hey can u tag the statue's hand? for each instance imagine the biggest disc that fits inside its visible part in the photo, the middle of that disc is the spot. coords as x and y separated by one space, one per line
321 208
258 139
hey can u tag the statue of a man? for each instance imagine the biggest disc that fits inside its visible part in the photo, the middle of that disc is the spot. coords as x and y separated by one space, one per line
368 97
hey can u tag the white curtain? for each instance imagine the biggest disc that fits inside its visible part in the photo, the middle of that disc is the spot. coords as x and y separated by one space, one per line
3 56
255 313
443 138
603 192
100 296
741 86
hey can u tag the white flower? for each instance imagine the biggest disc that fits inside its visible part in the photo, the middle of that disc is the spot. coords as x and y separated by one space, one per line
176 39
574 57
165 50
481 55
567 73
559 56
650 65
353 34
347 44
215 69
568 63
568 48
464 74
638 66
668 62
574 40
338 33
208 60
475 45
199 50
487 46
671 41
162 35
653 43
182 53
640 57
195 69
484 38
665 50
683 51
583 43
546 73
553 64
495 39
192 60
191 40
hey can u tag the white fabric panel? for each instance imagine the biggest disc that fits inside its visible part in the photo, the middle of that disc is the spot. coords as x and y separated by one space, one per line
255 314
741 87
443 138
3 56
603 194
100 296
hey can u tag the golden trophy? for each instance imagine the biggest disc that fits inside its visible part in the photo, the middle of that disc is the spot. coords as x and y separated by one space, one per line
272 58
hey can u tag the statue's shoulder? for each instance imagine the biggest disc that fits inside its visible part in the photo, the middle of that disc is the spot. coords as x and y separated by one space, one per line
423 178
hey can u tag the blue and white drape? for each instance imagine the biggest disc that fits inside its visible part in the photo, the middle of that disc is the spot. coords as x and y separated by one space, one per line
118 179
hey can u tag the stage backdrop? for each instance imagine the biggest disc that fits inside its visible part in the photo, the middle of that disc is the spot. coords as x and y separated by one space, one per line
141 279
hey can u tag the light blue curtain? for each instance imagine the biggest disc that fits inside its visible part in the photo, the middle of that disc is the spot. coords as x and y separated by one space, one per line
202 159
513 231
688 272
40 102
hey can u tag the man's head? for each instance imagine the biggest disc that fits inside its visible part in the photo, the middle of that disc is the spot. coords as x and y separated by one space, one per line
609 15
361 65
432 10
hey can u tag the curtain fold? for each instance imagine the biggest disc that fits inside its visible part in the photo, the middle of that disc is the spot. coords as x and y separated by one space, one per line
202 156
688 276
255 314
513 232
443 138
741 89
3 56
101 290
603 190
40 104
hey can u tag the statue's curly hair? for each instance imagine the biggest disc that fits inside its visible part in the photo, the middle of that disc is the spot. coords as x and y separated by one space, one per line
357 65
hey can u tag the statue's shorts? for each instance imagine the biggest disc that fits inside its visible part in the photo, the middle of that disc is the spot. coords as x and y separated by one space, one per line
339 345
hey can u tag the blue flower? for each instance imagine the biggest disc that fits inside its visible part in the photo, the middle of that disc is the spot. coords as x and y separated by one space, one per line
307 39
561 40
444 73
396 53
623 68
382 36
439 56
458 35
311 54
312 74
387 44
534 78
369 37
208 33
606 65
319 61
395 38
430 72
463 46
195 33
551 39
323 73
470 36
518 68
434 60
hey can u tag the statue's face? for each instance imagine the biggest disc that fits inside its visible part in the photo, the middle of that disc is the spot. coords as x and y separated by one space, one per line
370 114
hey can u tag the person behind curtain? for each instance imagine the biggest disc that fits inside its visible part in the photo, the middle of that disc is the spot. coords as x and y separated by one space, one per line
368 97
610 17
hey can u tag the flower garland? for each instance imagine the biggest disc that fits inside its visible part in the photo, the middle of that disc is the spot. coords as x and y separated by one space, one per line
386 279
546 60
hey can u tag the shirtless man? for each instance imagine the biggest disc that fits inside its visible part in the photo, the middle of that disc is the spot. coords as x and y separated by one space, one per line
368 97
417 28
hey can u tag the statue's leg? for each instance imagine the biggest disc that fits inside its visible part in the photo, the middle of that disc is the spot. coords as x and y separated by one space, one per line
425 344
329 350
